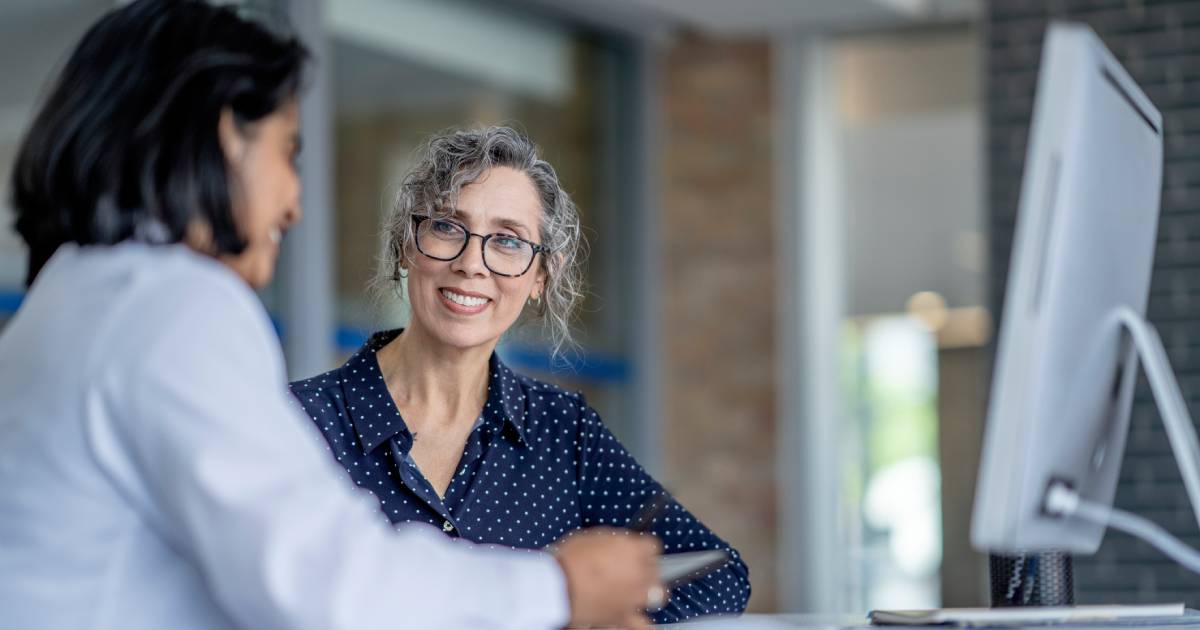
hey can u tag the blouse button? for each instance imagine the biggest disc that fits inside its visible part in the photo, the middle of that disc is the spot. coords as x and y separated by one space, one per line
447 527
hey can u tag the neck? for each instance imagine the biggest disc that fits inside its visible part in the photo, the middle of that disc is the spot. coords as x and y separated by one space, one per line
423 373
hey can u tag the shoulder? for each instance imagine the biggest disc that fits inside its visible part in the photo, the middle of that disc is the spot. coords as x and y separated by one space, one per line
200 291
532 385
178 304
321 396
551 405
540 393
317 385
179 322
179 270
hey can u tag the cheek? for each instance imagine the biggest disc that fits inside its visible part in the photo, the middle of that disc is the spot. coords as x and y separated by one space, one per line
421 284
279 185
292 187
251 199
272 188
515 292
422 270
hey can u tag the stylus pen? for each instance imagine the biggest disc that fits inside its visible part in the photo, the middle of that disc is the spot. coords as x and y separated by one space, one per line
650 510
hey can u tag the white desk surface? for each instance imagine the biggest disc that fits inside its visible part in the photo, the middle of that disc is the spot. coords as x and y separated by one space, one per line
1191 619
777 622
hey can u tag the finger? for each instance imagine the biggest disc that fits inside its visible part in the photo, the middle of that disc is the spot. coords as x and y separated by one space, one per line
650 563
636 621
656 597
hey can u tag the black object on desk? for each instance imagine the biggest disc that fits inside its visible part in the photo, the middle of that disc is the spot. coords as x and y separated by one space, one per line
677 568
1031 579
650 510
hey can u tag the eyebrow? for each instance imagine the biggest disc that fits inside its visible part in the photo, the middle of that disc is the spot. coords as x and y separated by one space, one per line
511 224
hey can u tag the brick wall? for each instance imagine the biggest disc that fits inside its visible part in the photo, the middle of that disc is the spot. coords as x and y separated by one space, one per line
717 279
1159 44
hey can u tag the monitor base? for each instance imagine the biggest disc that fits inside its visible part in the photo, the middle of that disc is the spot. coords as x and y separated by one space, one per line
1022 616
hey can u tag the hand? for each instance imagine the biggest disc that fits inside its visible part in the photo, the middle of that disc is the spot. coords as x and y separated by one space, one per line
609 573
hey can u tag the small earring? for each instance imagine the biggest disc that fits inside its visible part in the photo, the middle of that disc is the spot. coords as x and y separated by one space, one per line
400 273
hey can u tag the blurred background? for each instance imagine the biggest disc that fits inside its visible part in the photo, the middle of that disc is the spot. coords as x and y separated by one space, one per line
799 214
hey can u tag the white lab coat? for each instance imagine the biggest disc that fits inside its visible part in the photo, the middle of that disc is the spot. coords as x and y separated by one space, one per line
154 474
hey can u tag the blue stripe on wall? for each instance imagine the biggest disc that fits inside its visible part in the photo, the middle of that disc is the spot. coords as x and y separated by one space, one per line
592 367
585 366
10 301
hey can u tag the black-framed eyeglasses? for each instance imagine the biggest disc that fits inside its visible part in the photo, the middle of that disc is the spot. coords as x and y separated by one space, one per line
503 254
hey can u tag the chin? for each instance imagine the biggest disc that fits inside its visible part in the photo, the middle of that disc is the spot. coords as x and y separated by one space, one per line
262 281
256 268
260 275
463 337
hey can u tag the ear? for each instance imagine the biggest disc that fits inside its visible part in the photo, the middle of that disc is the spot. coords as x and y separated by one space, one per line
233 144
539 285
543 276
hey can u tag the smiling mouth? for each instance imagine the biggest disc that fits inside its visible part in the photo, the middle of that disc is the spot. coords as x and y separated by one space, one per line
275 235
465 301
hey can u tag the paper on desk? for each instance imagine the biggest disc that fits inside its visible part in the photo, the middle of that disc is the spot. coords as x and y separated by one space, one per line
755 622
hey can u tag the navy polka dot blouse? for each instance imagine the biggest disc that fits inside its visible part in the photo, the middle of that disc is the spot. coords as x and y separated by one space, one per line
539 464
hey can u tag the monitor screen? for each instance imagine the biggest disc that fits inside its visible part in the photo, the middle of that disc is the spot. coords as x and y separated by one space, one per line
1065 372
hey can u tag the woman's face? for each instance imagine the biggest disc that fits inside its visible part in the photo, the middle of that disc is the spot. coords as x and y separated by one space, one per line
264 187
503 200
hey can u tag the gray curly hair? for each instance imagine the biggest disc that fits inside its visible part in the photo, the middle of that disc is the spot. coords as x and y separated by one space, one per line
451 160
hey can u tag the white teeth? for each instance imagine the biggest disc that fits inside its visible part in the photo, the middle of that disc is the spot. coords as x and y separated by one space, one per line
276 235
463 299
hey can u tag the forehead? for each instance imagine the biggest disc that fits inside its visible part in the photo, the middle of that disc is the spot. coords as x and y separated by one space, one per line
501 195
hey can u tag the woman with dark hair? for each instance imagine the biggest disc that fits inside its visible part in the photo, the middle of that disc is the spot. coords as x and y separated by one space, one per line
430 419
154 472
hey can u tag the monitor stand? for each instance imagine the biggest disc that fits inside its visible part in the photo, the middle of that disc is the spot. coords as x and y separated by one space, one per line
1181 433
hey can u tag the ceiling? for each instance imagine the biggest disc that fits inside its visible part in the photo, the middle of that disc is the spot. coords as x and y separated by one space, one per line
749 17
35 36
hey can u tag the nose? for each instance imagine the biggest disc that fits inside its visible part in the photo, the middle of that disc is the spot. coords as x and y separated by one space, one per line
294 213
470 263
295 210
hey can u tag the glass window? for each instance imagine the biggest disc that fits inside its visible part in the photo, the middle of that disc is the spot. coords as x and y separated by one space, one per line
392 90
35 39
910 141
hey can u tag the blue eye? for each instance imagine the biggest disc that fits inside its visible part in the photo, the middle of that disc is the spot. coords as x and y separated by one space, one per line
445 228
509 242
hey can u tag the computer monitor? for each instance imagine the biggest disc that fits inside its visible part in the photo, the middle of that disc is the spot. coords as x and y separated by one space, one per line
1078 282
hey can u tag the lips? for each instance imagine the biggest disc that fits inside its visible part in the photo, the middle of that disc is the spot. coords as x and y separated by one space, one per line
462 302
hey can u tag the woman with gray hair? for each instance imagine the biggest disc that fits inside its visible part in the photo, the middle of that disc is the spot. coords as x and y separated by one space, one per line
433 423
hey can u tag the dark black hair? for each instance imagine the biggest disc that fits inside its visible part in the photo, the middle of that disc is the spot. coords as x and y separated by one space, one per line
126 144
